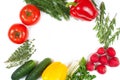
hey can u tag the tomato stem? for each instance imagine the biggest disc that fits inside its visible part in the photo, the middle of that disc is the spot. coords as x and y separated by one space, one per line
17 34
28 13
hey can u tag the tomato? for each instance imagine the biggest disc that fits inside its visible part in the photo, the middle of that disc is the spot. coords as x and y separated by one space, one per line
29 14
18 33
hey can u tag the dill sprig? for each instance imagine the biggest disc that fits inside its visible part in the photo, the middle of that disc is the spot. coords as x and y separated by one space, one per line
81 72
55 8
21 54
106 28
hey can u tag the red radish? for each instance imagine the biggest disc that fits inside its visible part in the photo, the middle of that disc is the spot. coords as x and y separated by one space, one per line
103 59
101 50
111 52
94 58
101 69
114 62
90 66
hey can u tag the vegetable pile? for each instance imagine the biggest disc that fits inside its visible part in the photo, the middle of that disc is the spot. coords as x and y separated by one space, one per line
105 55
50 70
29 15
102 58
31 70
58 9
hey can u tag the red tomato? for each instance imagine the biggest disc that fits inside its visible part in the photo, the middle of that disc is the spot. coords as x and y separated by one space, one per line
18 33
29 14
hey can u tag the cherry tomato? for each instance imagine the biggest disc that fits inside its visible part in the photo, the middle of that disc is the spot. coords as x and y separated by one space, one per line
29 14
18 33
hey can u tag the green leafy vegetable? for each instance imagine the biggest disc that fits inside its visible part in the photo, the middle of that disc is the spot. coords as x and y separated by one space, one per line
21 55
55 8
80 73
106 28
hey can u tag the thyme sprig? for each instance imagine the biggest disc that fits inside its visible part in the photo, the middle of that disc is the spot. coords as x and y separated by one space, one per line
21 54
106 28
55 8
81 72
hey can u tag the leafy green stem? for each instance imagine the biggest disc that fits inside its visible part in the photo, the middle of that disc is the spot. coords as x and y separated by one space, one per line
105 27
21 54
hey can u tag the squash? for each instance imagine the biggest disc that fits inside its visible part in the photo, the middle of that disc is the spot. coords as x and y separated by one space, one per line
55 71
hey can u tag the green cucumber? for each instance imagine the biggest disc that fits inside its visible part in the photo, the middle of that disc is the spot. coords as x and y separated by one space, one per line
37 71
23 70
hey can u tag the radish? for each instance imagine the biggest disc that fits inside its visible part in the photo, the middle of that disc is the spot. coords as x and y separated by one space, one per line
101 69
114 62
101 50
90 66
111 52
103 59
94 58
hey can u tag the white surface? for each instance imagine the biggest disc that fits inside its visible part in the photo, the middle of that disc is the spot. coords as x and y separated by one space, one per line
63 41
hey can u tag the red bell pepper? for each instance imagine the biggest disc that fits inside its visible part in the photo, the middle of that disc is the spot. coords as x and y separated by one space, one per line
83 9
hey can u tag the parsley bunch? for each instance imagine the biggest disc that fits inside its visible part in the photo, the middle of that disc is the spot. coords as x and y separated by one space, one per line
81 72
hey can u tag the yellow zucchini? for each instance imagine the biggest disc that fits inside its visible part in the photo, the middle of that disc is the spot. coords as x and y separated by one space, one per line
55 71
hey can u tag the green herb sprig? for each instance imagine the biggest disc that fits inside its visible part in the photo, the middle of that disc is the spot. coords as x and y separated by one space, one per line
106 28
55 8
21 54
81 72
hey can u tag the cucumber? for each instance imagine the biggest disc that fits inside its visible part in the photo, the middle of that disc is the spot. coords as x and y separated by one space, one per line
37 71
23 70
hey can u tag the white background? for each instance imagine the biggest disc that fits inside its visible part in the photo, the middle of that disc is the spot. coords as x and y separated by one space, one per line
63 41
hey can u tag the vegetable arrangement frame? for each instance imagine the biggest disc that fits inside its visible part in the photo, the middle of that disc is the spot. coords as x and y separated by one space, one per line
105 56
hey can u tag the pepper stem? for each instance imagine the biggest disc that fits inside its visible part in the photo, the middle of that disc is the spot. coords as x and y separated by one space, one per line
71 3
